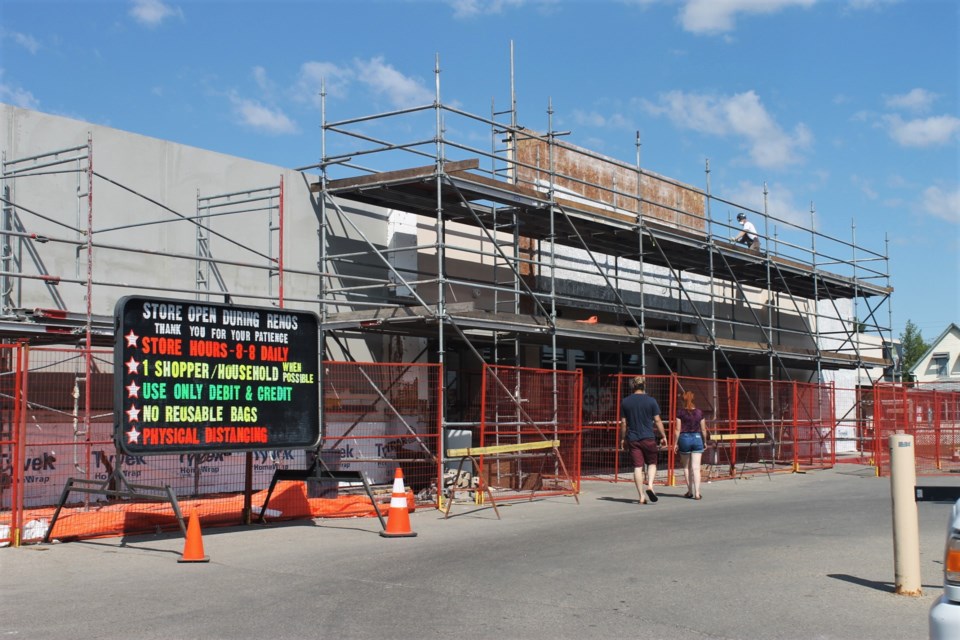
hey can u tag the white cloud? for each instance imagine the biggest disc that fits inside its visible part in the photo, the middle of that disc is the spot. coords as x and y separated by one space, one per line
857 5
942 203
26 41
865 186
599 120
701 113
922 132
473 8
375 74
741 115
917 100
400 90
316 75
260 77
719 16
151 13
588 118
17 96
897 181
256 116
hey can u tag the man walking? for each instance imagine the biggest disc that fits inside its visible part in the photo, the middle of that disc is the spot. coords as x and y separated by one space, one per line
638 415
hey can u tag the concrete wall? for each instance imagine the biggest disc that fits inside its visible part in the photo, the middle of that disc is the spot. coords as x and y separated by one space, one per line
145 169
144 208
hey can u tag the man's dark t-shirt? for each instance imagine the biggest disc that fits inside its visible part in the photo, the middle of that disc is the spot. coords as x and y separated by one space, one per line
639 410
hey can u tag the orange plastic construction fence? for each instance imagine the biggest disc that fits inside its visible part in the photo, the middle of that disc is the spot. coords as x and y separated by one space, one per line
56 424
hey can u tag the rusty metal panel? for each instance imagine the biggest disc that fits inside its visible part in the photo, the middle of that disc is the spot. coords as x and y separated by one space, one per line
587 178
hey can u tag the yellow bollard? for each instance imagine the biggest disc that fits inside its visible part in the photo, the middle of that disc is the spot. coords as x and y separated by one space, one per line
906 528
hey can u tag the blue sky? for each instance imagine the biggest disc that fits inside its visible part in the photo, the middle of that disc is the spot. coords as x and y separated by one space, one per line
847 106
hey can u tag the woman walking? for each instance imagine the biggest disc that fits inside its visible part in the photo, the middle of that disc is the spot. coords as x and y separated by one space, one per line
690 436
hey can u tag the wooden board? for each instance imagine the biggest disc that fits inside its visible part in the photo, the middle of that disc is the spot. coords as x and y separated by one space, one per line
502 448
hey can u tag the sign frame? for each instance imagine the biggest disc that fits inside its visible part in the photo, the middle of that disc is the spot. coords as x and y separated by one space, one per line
194 376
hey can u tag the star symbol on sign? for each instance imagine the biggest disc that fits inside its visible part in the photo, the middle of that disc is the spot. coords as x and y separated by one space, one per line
132 339
133 414
133 436
132 365
133 390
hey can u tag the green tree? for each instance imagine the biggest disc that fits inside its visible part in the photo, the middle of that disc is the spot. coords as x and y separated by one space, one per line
913 346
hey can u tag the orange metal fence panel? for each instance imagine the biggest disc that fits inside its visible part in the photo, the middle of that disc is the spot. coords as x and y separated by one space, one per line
758 410
603 459
713 397
795 420
853 416
11 444
600 458
522 405
930 412
813 430
380 416
794 423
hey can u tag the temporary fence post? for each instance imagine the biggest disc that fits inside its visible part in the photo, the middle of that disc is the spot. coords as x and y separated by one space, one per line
906 531
674 390
936 433
796 429
21 355
833 423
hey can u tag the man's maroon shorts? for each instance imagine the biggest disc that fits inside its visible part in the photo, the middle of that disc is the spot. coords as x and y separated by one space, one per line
643 452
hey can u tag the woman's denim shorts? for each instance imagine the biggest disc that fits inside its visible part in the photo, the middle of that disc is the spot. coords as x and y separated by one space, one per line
690 442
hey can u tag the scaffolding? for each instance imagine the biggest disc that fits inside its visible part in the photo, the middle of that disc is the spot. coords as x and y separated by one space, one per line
536 232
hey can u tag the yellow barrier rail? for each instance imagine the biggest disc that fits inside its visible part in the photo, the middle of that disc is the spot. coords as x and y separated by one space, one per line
502 448
723 437
549 447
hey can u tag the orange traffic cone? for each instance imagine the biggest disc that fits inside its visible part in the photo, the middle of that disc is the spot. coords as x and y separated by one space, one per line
193 547
398 518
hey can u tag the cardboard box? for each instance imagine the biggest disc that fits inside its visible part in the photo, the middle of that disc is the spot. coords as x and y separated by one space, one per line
501 474
532 482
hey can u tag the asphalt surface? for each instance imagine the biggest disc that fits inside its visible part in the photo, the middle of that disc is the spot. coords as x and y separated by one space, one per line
805 556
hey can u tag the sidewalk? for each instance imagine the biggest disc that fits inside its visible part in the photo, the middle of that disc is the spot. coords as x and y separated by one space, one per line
793 556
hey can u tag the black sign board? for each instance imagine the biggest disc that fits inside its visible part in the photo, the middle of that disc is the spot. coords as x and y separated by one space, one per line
199 376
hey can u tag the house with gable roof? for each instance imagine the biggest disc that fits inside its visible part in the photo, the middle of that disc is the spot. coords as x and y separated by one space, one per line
941 362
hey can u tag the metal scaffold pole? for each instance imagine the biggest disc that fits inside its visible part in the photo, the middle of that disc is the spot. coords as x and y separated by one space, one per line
88 346
642 270
441 311
770 312
552 236
711 275
816 296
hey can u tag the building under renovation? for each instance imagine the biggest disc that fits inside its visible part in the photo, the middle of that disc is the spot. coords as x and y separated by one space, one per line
456 262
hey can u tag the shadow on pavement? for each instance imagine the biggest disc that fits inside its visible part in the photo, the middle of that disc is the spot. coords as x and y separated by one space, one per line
887 587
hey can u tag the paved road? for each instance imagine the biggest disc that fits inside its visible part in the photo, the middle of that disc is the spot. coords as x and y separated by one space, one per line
805 556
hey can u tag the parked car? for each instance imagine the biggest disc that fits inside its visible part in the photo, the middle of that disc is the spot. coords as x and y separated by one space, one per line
945 613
